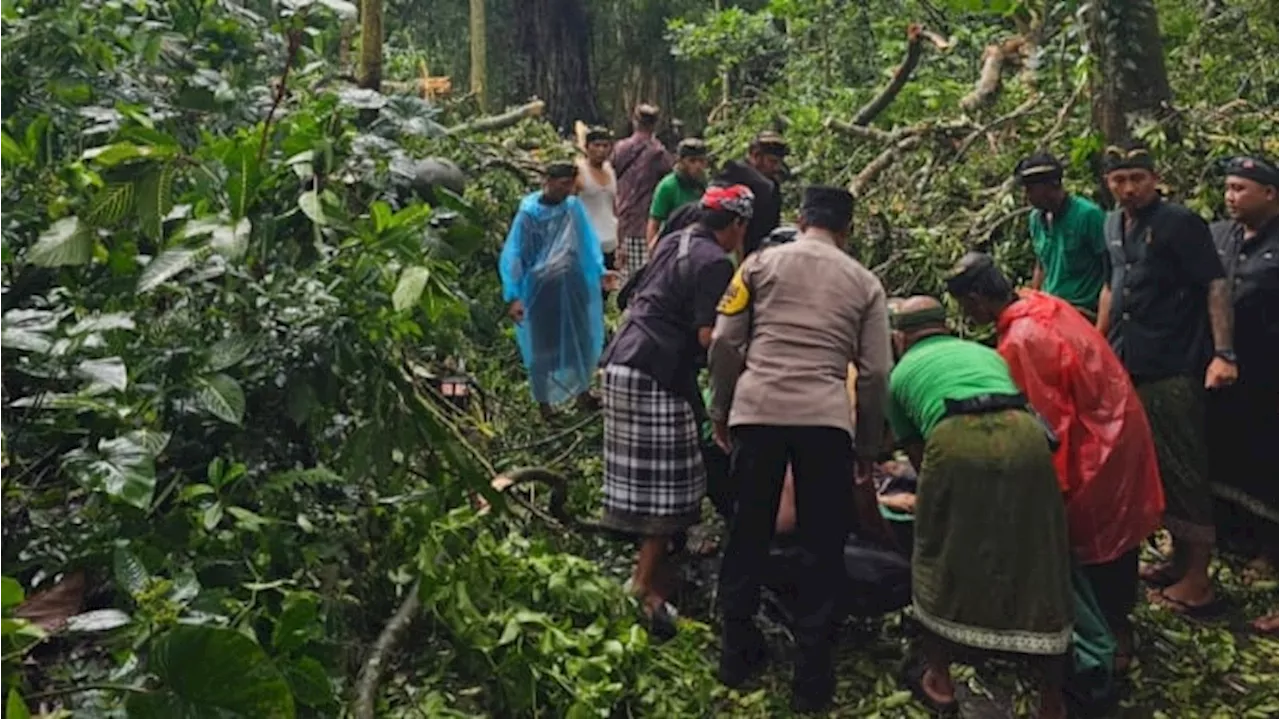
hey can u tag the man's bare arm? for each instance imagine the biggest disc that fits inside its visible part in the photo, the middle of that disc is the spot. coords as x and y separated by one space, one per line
651 233
1037 277
1104 310
1221 314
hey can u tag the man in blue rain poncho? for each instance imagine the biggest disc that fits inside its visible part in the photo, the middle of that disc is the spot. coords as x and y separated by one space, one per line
552 271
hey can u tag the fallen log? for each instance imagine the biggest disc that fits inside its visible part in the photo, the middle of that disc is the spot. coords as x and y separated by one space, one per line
881 163
994 59
897 82
497 122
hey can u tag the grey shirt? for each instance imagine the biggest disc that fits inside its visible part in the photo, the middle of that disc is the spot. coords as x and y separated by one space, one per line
793 319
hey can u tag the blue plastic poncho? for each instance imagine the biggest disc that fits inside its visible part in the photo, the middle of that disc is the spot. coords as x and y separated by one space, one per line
552 263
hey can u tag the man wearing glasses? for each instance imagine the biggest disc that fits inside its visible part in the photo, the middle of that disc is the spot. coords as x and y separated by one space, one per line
1167 313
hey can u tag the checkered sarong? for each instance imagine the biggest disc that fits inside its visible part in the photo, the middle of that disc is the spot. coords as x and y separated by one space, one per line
637 255
653 474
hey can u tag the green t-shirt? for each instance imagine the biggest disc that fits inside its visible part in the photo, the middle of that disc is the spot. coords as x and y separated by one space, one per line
934 370
1072 251
670 194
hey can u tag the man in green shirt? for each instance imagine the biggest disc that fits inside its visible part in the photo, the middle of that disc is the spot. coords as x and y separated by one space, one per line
990 568
684 184
1066 234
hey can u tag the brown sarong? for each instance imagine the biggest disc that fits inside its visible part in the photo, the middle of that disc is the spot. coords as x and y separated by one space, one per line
1176 411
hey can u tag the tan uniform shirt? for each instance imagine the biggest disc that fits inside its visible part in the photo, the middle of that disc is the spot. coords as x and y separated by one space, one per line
794 318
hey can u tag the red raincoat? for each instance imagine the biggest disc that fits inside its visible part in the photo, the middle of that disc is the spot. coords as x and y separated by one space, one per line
1107 462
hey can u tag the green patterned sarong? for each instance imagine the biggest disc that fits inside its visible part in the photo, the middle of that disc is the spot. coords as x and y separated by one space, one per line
1176 411
991 566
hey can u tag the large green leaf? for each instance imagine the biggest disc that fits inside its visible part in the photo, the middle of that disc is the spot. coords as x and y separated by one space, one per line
221 396
123 467
409 289
11 153
242 183
14 707
11 594
169 264
211 671
229 352
232 241
110 204
103 323
309 202
109 371
129 571
66 242
155 199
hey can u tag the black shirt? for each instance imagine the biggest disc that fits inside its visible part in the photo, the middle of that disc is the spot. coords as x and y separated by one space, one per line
1252 270
766 210
1161 267
670 302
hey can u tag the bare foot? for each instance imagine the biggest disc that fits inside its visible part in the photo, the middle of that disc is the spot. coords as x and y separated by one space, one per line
939 688
1269 624
1160 573
1188 591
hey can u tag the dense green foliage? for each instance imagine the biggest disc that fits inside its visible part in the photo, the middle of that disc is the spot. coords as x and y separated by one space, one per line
226 308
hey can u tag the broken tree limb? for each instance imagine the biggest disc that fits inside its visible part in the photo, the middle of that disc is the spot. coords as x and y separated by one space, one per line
881 163
497 122
994 59
1016 113
899 80
366 701
858 131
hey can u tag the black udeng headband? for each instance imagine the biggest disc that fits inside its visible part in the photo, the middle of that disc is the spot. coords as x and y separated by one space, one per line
919 318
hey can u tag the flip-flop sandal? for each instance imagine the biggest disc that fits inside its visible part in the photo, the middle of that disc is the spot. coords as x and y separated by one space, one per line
1210 611
1253 627
913 677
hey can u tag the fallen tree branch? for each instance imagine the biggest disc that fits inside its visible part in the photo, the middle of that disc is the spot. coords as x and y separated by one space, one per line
994 58
897 82
858 131
1014 114
365 704
497 122
1060 121
881 163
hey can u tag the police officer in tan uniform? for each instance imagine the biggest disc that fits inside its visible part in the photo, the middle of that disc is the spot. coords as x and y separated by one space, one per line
792 320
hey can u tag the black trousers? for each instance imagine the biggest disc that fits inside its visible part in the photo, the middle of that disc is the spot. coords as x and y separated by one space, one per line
822 464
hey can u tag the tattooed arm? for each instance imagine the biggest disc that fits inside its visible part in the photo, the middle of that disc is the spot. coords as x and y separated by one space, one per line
1220 372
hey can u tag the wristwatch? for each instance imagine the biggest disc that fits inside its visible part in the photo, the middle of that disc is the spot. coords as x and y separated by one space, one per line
1227 355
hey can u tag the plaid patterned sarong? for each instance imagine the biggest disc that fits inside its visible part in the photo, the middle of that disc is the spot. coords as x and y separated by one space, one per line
637 255
654 479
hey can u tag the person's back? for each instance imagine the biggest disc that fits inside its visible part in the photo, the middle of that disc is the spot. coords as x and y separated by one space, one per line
1106 462
810 302
598 200
942 368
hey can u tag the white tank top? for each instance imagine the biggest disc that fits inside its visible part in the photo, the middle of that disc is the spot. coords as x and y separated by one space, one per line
597 199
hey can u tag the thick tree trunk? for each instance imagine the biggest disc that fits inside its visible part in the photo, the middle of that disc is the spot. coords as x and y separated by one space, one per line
1130 79
478 49
555 39
371 44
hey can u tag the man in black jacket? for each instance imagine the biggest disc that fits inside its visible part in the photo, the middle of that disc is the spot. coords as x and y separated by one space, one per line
762 171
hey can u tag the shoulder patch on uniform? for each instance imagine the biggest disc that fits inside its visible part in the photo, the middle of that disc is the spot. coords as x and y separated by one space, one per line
736 296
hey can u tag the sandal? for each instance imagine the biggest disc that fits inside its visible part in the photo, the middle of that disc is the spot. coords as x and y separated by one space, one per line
913 677
1209 611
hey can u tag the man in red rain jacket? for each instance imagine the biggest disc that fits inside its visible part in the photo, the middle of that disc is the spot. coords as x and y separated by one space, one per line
1106 462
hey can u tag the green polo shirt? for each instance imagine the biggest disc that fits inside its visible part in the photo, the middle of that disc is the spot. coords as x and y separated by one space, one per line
671 193
1071 248
934 370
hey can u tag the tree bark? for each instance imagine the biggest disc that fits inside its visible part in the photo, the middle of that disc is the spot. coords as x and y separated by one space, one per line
555 39
1130 79
371 44
478 50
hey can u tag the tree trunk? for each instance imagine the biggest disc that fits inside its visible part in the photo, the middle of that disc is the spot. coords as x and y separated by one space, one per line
555 39
1129 79
371 44
478 48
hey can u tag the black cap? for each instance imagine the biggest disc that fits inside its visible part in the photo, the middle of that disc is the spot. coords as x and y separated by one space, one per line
1038 169
597 133
691 147
1251 167
828 207
560 170
770 143
1131 155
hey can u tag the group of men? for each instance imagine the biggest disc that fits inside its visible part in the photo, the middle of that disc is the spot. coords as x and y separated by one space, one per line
1134 381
